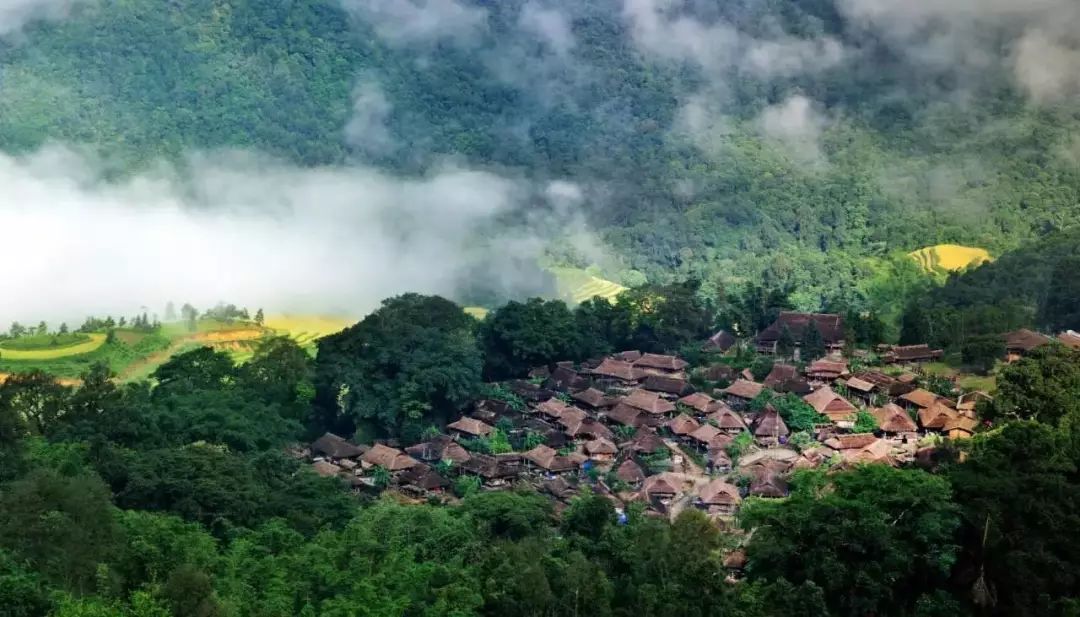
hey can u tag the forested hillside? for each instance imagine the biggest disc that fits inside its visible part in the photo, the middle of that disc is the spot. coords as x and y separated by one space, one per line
800 143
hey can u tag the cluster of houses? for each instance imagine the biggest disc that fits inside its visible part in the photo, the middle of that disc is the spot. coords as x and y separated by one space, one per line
632 426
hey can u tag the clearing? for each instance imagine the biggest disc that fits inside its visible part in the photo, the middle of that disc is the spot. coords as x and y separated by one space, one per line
949 257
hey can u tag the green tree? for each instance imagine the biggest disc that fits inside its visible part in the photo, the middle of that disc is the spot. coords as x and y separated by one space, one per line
520 336
1041 386
864 422
982 352
897 537
37 396
1020 496
63 525
813 343
260 318
785 343
412 363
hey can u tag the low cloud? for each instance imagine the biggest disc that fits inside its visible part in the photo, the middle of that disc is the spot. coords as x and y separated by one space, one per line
975 41
254 232
412 22
14 14
796 126
717 47
550 25
366 131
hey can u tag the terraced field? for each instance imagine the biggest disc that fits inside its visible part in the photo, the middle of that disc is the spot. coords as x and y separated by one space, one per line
53 353
948 257
577 285
304 329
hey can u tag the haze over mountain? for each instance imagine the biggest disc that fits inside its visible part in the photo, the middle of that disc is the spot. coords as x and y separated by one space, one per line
400 144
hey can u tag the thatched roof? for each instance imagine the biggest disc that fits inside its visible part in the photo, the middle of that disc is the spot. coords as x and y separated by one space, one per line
827 402
565 379
831 327
859 385
335 447
630 472
325 469
705 433
593 398
659 485
721 341
646 440
1070 339
936 416
912 353
667 385
547 458
893 419
649 402
390 458
921 398
671 364
617 369
625 415
551 408
1025 340
718 492
682 424
849 442
700 401
779 374
827 369
728 420
441 448
600 446
471 426
744 389
424 477
770 424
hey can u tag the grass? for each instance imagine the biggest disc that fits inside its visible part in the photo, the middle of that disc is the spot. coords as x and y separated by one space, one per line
90 344
44 341
577 285
478 312
948 257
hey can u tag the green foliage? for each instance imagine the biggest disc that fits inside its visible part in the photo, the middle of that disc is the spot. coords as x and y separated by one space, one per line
413 362
1020 495
864 422
785 344
897 528
520 336
813 344
464 486
761 367
982 352
1042 386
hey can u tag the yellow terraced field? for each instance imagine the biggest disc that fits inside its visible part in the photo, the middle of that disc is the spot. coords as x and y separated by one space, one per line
96 340
579 286
949 257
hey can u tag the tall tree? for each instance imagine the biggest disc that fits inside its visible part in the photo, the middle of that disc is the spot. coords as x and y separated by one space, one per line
813 343
520 336
413 362
1042 386
875 539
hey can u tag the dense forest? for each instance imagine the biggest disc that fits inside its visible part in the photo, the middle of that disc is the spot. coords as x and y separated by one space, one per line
179 497
803 144
725 160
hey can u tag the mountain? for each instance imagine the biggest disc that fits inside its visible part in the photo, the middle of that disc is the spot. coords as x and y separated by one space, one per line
799 142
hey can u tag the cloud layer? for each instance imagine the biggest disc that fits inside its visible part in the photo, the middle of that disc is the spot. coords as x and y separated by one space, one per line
14 14
249 231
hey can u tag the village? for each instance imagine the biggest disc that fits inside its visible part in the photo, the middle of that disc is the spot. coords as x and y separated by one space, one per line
633 427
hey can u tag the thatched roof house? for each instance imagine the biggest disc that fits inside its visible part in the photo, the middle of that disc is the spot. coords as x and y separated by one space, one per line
388 458
334 447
